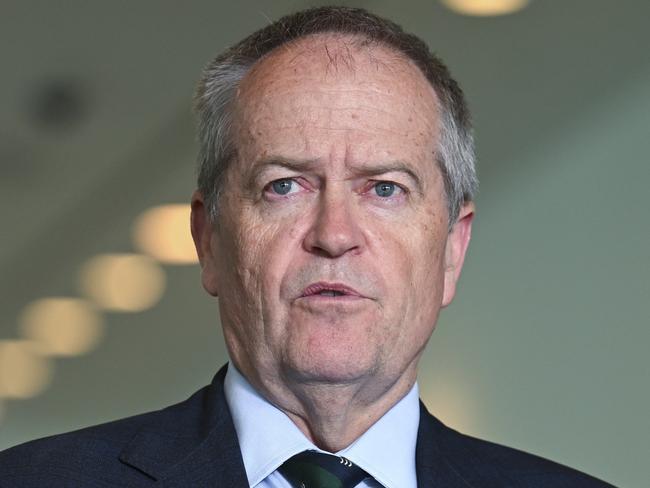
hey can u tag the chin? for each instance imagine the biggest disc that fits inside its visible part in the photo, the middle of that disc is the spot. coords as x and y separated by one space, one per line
331 366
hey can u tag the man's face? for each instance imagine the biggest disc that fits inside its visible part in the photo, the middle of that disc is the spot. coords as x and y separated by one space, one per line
331 256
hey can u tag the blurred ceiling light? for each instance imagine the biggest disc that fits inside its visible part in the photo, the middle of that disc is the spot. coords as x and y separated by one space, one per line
485 8
123 282
62 326
164 233
24 373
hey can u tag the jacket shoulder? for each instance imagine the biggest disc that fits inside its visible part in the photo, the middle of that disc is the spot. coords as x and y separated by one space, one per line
484 464
528 470
89 457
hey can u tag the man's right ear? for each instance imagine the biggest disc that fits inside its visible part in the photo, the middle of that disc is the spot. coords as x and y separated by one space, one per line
203 235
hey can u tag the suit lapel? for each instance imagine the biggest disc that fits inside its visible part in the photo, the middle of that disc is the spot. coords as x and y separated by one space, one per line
193 443
432 463
447 458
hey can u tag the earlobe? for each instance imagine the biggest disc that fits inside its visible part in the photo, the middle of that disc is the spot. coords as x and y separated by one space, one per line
202 234
457 243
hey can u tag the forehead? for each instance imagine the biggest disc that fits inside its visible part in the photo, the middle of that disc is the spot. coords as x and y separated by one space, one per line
327 90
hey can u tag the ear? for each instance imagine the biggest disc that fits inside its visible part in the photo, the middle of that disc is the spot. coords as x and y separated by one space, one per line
457 242
204 237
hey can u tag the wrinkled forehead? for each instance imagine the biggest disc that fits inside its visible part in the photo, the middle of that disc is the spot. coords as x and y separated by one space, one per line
322 61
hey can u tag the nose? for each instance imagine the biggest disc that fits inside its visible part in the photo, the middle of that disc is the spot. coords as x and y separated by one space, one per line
336 230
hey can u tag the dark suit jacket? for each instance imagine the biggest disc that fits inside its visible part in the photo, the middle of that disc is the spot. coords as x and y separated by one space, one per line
194 444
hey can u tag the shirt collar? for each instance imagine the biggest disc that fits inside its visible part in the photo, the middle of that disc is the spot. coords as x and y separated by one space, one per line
267 436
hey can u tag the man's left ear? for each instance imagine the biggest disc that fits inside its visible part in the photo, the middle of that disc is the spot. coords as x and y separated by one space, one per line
457 242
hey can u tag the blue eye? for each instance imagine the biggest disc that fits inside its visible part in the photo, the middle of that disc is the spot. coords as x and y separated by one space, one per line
385 188
282 187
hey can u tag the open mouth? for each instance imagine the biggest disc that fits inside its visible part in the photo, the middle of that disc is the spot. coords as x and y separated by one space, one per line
330 290
331 293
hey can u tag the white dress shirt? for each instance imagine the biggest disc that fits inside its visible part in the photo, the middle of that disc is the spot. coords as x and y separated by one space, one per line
268 437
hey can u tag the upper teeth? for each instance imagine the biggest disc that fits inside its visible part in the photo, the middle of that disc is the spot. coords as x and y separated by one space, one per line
330 293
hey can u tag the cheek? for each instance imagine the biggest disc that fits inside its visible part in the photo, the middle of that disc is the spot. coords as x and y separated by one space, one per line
267 251
241 249
252 255
424 264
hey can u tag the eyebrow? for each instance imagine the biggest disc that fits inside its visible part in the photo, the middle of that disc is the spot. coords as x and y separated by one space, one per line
373 169
258 167
289 163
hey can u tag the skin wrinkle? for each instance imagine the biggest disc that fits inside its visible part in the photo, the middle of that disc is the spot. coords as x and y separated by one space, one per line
333 369
354 111
368 108
344 129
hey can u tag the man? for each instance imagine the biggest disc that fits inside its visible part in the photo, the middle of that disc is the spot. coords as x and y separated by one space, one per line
332 218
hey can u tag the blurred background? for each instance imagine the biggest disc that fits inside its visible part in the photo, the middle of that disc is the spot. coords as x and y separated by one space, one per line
101 310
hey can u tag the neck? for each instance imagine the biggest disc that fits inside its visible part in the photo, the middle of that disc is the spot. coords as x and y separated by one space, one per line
334 415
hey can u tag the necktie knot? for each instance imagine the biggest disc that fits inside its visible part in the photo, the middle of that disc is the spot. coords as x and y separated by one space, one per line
311 469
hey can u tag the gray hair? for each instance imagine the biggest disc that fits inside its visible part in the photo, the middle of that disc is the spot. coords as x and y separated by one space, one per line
218 85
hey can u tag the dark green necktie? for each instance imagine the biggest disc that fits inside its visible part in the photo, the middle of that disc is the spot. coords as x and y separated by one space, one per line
311 469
